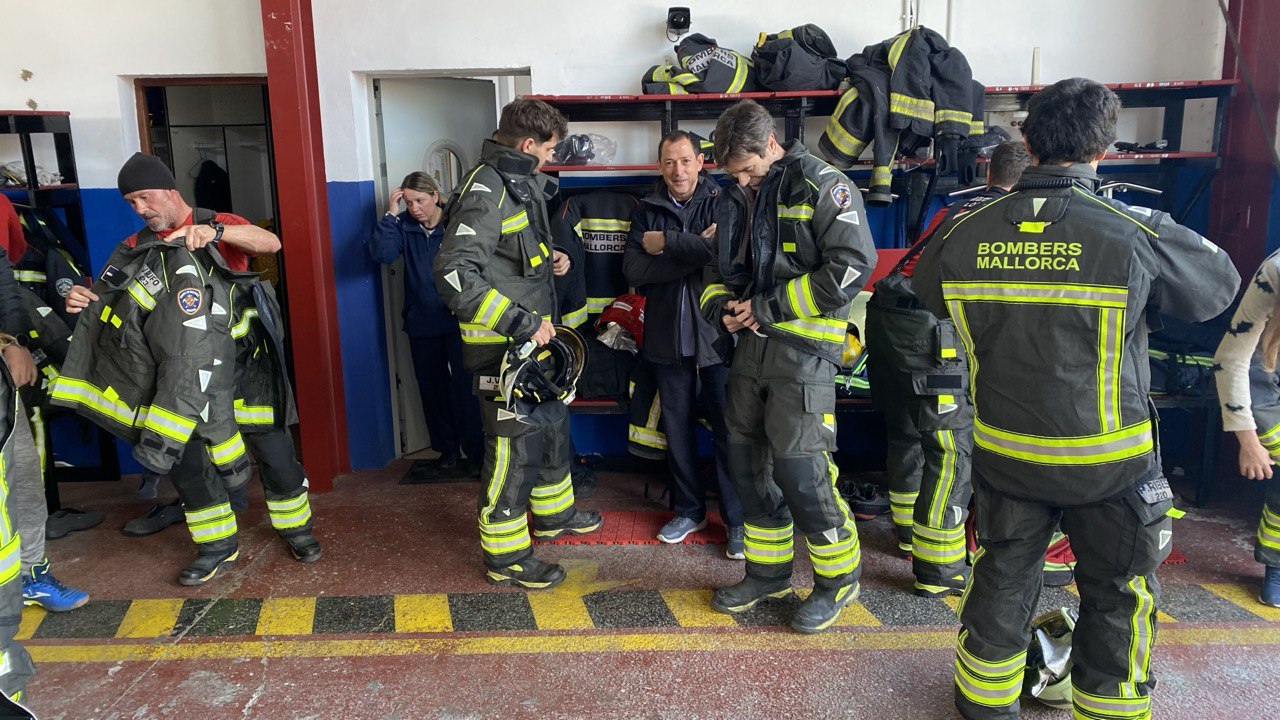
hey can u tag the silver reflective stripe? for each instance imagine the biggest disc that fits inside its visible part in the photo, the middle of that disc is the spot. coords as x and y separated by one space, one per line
1110 353
1053 293
1108 447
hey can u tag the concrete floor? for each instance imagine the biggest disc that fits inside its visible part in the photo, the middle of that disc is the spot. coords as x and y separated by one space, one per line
396 622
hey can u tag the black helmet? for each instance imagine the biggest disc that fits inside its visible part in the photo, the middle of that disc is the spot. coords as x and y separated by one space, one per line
539 382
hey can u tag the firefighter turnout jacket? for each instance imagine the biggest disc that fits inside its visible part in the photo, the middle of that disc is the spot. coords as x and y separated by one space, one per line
494 264
1050 288
593 228
802 58
705 67
263 393
152 360
806 252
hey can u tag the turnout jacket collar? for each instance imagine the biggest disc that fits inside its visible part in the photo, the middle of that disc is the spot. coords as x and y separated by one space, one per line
659 194
516 168
1050 176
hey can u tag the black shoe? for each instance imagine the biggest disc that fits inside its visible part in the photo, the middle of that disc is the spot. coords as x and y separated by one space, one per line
159 517
448 461
528 573
580 524
952 586
207 564
68 520
744 595
305 547
822 608
865 500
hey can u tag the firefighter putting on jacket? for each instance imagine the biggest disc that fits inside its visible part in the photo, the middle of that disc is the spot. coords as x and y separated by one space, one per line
793 249
920 380
154 361
1050 288
495 270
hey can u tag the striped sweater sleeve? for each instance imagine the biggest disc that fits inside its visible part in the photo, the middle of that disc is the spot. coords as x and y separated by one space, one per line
1239 344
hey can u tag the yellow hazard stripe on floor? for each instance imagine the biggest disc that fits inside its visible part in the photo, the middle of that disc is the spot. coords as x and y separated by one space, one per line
855 615
423 613
1244 597
287 616
31 619
763 642
149 618
692 608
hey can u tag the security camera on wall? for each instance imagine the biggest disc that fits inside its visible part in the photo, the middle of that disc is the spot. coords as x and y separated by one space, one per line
678 20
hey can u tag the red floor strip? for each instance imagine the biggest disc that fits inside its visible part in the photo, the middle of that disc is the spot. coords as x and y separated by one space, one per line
640 527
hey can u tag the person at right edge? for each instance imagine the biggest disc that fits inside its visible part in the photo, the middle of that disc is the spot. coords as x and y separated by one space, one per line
495 270
1051 289
669 246
793 249
919 379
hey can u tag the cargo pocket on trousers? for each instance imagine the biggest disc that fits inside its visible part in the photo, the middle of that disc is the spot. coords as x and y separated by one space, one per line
1144 545
820 402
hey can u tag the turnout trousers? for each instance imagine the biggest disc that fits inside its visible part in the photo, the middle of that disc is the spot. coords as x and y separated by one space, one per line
525 466
1117 551
780 417
16 666
205 501
917 371
1264 391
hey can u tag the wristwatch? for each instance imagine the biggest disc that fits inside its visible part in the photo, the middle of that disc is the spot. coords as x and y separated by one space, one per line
21 340
217 230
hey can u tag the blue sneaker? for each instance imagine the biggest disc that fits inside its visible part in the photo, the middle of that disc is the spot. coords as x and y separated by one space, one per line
40 587
1271 587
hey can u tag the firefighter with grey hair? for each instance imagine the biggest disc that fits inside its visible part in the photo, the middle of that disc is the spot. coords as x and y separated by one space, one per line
793 249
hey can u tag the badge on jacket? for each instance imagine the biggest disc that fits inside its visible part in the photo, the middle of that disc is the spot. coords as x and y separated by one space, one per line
840 195
190 300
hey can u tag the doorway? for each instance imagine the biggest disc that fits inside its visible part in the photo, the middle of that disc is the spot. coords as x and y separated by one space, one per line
435 124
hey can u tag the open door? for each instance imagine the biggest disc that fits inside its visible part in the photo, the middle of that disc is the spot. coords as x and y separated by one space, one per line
437 125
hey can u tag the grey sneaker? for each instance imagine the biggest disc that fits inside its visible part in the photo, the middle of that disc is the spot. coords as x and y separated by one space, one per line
679 528
737 547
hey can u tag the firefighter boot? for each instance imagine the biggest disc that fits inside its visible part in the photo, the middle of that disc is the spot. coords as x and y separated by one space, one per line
207 564
529 573
305 547
820 610
580 524
744 595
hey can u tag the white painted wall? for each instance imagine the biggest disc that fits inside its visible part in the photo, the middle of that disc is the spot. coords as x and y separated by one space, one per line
1106 40
83 55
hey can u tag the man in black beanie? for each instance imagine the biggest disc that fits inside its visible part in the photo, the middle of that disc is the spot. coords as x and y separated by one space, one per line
149 187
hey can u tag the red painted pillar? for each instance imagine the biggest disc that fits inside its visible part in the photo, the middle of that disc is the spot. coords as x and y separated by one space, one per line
304 230
1242 188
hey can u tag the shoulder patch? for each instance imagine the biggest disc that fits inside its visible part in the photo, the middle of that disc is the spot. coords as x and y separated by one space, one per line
841 195
463 229
190 300
63 286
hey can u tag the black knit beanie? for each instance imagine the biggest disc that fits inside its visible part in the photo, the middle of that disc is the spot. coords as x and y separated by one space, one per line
145 172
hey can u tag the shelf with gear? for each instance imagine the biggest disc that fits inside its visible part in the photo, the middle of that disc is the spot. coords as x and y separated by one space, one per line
915 179
48 203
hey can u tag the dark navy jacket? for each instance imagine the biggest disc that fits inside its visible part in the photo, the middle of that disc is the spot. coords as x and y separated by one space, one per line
425 313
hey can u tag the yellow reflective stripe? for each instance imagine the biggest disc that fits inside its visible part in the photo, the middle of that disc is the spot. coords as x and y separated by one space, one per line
919 108
902 505
90 398
988 684
713 291
169 424
491 309
253 414
30 276
800 294
1089 706
899 43
1269 529
505 537
739 75
881 175
964 117
498 478
820 328
10 559
481 335
947 476
646 437
242 327
1133 441
1106 205
1081 294
836 559
604 225
516 222
596 305
795 212
976 127
941 546
769 546
224 453
291 513
844 141
1110 357
1142 634
141 296
574 318
552 499
1271 439
211 523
